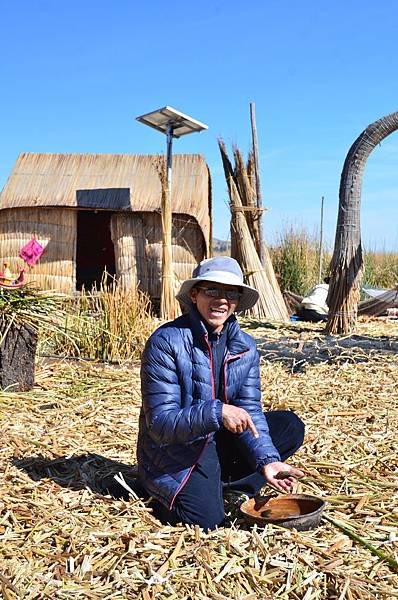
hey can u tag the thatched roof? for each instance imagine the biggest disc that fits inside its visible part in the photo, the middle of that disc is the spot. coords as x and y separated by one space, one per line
120 182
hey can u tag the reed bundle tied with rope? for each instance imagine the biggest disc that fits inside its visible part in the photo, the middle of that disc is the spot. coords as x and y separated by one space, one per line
245 240
347 260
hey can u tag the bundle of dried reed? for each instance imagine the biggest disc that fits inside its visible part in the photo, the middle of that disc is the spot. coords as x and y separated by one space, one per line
347 263
292 301
169 308
344 290
245 182
380 304
262 277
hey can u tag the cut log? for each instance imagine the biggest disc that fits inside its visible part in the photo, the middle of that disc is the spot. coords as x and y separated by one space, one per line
17 359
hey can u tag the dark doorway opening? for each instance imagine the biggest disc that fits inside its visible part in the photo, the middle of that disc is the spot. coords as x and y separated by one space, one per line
94 248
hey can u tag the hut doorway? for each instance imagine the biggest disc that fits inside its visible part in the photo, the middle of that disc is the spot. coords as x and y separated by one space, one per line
95 252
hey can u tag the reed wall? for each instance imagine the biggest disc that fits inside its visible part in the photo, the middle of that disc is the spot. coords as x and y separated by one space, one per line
55 229
128 237
137 239
188 248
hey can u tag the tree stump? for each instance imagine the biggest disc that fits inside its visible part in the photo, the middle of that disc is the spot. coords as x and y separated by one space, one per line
17 359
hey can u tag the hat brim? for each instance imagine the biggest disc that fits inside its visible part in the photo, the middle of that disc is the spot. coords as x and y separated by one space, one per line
247 300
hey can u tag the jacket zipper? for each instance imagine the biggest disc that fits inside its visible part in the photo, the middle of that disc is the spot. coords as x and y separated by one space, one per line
227 360
213 387
213 393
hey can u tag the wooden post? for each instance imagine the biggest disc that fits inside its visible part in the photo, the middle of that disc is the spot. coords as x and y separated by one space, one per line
321 243
257 177
168 303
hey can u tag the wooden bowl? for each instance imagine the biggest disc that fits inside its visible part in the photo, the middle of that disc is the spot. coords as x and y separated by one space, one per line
293 511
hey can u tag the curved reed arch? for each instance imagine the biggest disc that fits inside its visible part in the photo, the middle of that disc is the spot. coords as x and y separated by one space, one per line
347 260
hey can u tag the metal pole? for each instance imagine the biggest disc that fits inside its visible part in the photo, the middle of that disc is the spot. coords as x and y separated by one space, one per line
257 174
169 158
321 243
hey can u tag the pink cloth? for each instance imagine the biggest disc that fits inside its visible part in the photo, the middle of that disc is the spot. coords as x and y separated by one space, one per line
31 252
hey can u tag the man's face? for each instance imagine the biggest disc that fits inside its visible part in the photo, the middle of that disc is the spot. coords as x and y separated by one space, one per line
213 303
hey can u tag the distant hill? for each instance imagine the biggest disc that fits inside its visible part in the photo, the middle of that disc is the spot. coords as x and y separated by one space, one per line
221 246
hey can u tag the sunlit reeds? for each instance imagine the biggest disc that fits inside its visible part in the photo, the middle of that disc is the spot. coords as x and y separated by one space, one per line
110 324
29 307
295 257
381 269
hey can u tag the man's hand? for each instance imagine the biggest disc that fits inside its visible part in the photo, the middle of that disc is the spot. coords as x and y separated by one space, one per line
237 420
281 475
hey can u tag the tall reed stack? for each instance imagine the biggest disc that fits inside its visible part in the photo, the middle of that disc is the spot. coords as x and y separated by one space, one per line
245 240
347 261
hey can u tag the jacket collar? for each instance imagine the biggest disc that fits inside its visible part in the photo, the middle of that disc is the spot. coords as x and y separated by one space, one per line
235 343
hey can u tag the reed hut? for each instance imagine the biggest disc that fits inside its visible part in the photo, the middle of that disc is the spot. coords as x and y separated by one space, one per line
92 212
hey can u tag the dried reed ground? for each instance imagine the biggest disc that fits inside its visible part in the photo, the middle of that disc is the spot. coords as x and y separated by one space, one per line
70 542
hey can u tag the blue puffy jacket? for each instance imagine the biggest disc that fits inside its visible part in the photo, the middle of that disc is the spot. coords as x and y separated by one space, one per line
179 410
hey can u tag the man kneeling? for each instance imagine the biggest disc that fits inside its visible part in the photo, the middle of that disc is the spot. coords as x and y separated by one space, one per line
202 428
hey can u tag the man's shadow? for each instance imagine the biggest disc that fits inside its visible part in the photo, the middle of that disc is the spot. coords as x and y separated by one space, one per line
84 471
97 473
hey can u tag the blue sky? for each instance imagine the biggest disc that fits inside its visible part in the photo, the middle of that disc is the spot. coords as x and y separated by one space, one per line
75 74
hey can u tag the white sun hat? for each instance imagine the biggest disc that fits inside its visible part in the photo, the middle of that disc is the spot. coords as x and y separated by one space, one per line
224 270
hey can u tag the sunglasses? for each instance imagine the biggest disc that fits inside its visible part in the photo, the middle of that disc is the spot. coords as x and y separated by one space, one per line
233 295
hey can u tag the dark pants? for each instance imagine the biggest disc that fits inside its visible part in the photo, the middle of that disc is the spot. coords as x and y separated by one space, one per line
308 314
223 466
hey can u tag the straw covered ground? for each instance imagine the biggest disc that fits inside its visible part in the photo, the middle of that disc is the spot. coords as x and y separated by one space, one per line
61 536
